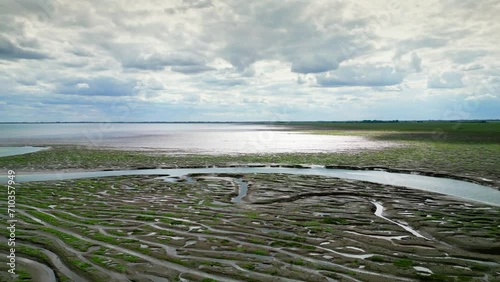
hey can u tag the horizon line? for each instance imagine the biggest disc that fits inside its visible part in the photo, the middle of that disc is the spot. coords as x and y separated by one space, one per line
261 121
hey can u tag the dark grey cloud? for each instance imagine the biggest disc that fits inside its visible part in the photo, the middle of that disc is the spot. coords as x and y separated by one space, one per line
283 31
97 86
28 81
360 76
81 52
313 63
75 64
188 5
9 50
191 69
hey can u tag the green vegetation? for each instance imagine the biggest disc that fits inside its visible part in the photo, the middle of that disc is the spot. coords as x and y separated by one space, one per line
252 214
23 276
249 266
377 259
403 263
297 262
81 264
478 267
261 252
488 128
333 220
68 239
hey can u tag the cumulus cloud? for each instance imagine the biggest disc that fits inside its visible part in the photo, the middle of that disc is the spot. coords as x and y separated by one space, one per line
191 69
313 63
97 86
361 75
416 62
188 5
156 61
10 50
308 56
407 45
473 67
447 79
466 56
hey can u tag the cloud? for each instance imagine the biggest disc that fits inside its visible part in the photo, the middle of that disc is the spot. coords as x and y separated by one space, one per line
473 67
9 50
361 75
261 56
466 56
218 82
407 45
447 79
156 61
81 52
188 5
191 69
289 32
97 86
313 63
416 62
482 97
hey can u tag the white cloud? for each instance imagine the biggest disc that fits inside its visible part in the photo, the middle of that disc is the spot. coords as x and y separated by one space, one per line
361 75
306 57
82 85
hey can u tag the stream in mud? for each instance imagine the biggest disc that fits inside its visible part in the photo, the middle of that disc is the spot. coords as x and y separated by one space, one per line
456 188
379 212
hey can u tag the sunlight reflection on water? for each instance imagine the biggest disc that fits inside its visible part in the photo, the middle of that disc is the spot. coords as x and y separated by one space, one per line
184 138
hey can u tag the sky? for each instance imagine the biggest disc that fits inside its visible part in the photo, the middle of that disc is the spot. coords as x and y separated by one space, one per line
239 60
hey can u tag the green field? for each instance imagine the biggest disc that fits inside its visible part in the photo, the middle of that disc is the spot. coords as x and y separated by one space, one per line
455 127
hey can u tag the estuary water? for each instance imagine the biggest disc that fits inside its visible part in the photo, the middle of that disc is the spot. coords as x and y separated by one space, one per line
183 138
